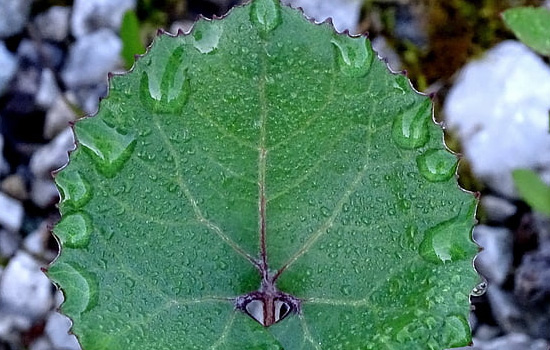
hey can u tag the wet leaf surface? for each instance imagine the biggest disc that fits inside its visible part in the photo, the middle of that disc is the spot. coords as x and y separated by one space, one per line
264 171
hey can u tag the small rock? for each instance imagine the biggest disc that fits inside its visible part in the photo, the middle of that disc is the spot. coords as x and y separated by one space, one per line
13 16
11 213
57 328
59 116
44 193
36 242
52 156
495 260
499 108
8 62
506 312
9 243
91 58
25 288
89 97
48 91
14 186
497 209
344 13
4 166
512 341
54 23
385 51
533 278
91 15
42 343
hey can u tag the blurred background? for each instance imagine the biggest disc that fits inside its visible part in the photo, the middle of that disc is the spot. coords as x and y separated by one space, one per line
491 93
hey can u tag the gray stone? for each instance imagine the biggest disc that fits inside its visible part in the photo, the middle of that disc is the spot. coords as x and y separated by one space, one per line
385 51
512 341
36 242
91 57
91 15
59 116
52 156
57 328
25 288
495 260
497 209
506 312
48 91
8 62
13 16
44 193
499 109
54 23
4 166
14 186
11 213
9 243
344 13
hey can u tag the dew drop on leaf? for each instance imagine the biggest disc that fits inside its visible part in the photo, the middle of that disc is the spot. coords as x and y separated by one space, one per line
436 165
74 230
81 287
449 241
207 37
75 190
266 15
108 148
410 128
352 55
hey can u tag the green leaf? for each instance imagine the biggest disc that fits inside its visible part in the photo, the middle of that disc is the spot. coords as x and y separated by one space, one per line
264 160
532 190
531 25
131 40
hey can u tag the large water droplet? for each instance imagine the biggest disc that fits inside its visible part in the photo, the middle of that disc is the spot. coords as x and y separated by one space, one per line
206 36
171 93
455 332
266 15
75 190
353 55
74 230
436 165
410 128
80 286
450 240
109 149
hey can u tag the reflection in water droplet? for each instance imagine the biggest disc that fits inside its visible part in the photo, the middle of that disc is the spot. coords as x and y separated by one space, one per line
450 240
353 55
480 289
74 230
266 15
206 36
436 165
81 287
75 190
108 148
410 128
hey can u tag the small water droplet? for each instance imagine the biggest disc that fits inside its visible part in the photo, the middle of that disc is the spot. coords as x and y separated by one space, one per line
266 15
436 165
353 55
81 287
74 230
75 190
108 148
346 289
410 128
325 211
206 36
450 240
480 289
